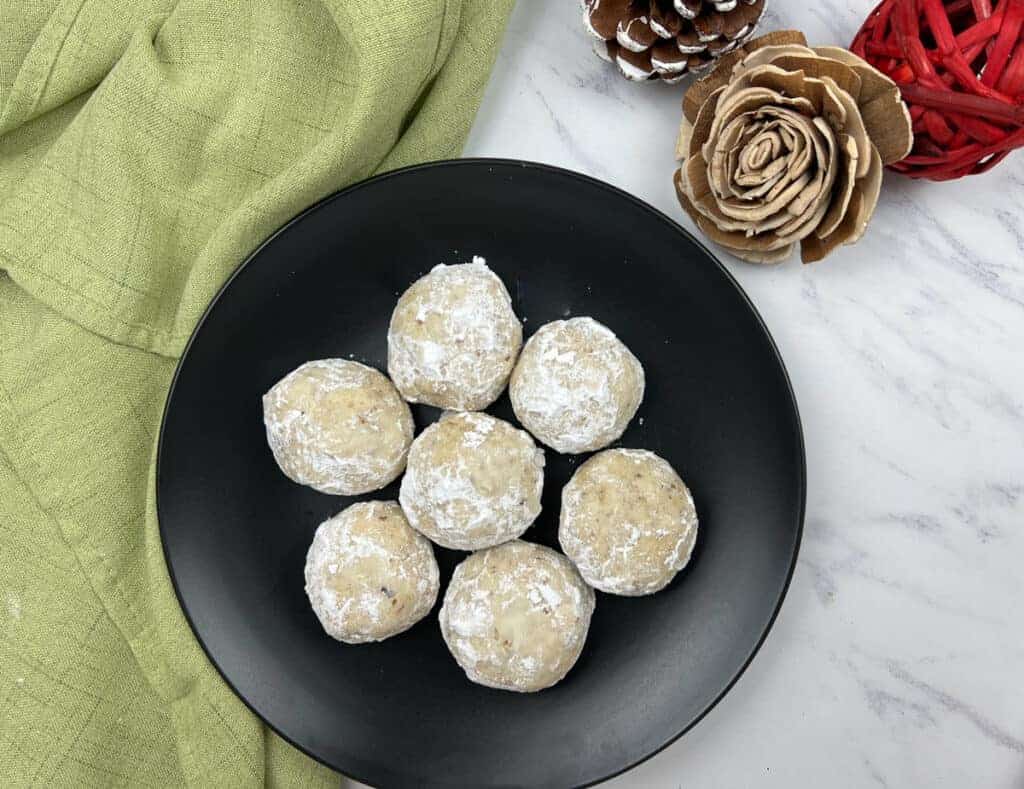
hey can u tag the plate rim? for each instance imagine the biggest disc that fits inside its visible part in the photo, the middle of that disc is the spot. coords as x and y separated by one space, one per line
526 165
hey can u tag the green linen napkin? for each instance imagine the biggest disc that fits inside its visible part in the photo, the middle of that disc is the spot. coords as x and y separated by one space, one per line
146 146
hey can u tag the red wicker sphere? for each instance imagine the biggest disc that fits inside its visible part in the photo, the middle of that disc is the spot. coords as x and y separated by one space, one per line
960 66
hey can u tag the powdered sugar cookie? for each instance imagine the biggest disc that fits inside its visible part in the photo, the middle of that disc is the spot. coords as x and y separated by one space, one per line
472 481
627 522
338 426
516 616
576 386
454 338
368 574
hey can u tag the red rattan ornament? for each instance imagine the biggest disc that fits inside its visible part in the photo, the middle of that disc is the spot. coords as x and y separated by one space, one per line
960 67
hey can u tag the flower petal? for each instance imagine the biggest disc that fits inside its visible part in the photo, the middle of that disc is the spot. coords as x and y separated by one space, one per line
816 91
854 126
817 197
760 249
869 187
763 56
815 67
885 114
862 205
734 103
722 73
701 130
759 213
846 176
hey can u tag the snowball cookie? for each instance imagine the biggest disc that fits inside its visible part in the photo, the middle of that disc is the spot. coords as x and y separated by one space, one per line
627 521
454 338
338 426
576 386
368 574
473 481
515 617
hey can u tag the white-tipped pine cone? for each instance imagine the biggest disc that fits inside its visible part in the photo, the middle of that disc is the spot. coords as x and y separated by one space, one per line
668 39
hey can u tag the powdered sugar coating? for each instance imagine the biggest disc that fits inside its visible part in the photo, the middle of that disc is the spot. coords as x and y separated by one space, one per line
338 426
576 386
454 338
628 522
472 481
368 575
515 617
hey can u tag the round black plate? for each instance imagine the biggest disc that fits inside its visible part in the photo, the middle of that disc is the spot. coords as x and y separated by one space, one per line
718 406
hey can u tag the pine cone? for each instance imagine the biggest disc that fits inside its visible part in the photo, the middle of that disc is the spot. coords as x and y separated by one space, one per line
668 39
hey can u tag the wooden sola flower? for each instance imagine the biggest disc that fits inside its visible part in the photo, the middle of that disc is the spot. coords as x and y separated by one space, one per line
960 66
668 39
783 144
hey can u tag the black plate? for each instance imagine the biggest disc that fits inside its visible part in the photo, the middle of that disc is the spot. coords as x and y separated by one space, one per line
718 406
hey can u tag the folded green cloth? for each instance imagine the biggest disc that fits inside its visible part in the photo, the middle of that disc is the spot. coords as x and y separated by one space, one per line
146 146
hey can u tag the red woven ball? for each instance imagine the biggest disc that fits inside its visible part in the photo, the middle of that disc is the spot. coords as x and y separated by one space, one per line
960 66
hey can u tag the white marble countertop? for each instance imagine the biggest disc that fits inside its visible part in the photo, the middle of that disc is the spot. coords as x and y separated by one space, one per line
898 658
